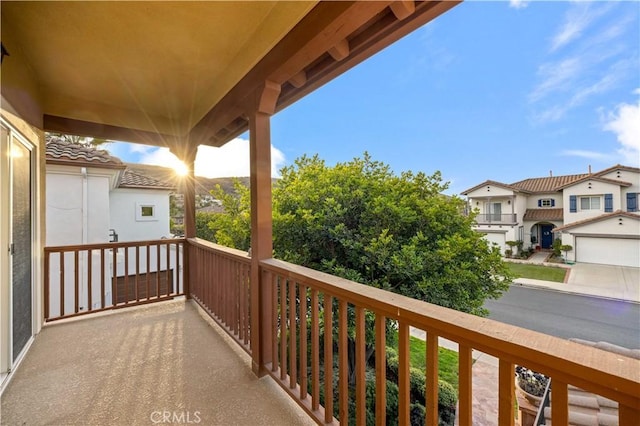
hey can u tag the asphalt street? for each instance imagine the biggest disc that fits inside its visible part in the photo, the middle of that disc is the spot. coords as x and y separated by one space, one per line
569 315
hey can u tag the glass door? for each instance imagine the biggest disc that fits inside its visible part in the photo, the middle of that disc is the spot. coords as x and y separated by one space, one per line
20 247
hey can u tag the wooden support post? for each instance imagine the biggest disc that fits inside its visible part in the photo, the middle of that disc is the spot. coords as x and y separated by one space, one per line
186 152
259 111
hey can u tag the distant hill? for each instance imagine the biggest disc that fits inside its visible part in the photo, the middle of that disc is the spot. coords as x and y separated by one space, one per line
203 185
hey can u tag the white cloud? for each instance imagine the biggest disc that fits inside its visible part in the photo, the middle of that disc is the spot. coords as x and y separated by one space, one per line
556 76
230 160
625 123
518 4
577 20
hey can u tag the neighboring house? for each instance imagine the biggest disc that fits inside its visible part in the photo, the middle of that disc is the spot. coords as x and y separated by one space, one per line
92 198
596 213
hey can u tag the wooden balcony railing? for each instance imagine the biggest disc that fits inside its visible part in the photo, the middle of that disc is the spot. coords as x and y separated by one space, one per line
219 283
312 314
90 278
308 298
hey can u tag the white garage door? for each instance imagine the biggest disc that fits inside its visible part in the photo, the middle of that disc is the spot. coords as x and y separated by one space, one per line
608 251
498 238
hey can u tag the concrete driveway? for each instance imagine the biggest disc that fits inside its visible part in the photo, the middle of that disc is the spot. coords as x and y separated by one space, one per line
620 282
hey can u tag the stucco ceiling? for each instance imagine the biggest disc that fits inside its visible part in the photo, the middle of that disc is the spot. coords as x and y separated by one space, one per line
156 66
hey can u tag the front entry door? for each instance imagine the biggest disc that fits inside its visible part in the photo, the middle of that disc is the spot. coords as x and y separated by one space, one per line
21 247
546 240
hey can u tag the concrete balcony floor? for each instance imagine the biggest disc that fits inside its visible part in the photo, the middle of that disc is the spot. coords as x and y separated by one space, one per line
137 365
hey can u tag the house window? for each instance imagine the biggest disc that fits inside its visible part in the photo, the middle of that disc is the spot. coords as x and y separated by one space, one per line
546 202
145 212
589 203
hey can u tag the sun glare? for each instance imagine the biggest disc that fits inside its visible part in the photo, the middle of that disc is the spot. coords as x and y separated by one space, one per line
180 168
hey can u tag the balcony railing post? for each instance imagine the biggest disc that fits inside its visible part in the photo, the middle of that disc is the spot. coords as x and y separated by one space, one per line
259 109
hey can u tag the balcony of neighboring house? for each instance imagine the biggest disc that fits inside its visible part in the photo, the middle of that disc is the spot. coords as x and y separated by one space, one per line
496 219
192 355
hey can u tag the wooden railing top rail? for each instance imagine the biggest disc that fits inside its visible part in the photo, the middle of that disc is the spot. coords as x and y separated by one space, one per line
120 244
604 373
235 254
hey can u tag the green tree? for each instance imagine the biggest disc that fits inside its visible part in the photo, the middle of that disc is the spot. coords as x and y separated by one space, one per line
95 142
233 227
359 221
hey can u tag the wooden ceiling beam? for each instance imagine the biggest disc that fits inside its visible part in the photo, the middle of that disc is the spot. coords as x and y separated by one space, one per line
299 79
340 50
386 30
89 129
402 9
323 27
352 31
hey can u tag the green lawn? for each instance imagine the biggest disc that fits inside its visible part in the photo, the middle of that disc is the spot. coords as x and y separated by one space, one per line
537 272
447 360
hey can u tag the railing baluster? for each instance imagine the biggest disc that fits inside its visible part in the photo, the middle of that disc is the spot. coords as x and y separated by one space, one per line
465 399
628 416
273 279
293 356
283 328
328 358
168 273
560 405
431 385
62 283
89 281
148 265
303 342
102 284
178 270
126 275
158 267
76 280
114 282
361 385
137 283
381 370
315 351
343 362
403 373
47 283
506 393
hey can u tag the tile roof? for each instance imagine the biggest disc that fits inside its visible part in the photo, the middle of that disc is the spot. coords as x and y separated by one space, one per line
60 151
597 219
131 179
618 167
586 408
597 178
488 182
546 184
544 214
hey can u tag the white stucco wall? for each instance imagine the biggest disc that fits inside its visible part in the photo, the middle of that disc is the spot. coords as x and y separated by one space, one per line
597 189
71 218
124 203
490 191
532 200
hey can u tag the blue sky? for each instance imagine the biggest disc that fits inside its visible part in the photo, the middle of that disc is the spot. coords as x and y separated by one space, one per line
489 90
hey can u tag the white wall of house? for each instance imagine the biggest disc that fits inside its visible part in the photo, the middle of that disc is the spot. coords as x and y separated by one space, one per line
126 218
77 205
589 188
520 206
532 200
614 241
